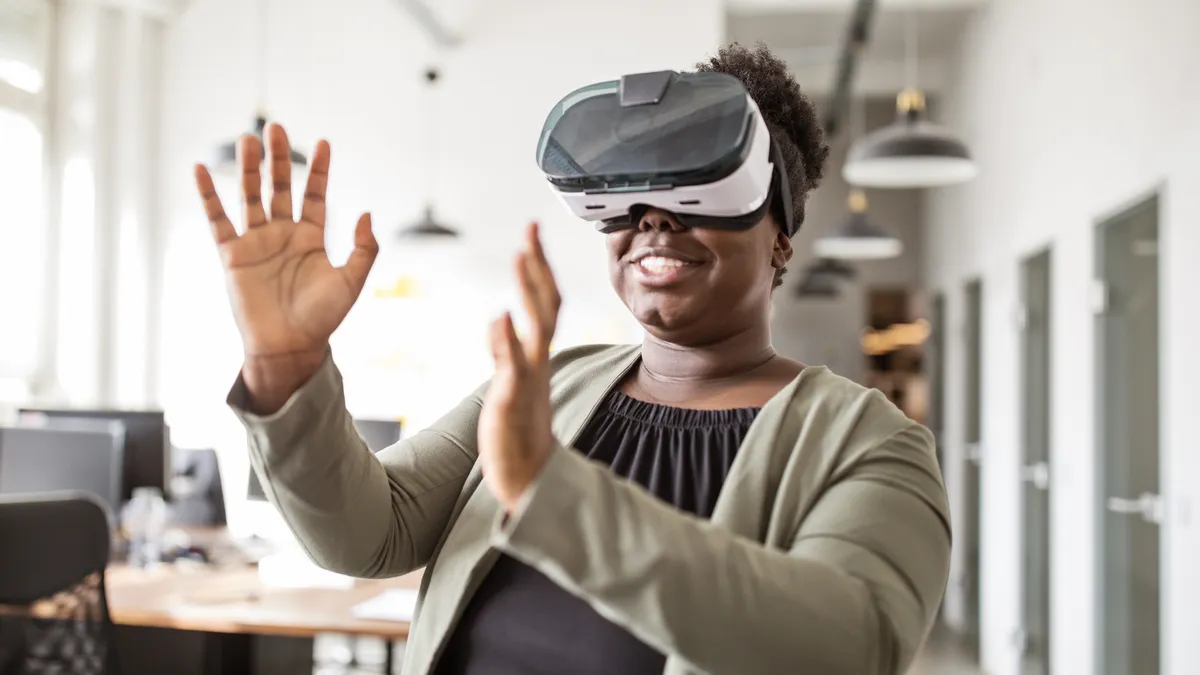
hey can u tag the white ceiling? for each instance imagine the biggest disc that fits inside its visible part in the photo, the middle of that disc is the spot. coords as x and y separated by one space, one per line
808 34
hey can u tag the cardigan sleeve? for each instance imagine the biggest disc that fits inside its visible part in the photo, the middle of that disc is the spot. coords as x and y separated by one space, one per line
855 593
355 512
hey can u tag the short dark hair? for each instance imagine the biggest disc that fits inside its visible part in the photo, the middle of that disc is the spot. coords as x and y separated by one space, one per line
790 115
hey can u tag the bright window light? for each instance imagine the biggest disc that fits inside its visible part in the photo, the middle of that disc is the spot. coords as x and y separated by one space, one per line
22 243
22 76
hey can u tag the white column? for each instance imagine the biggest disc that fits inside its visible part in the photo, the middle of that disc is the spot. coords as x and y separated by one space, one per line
73 378
107 79
136 256
102 331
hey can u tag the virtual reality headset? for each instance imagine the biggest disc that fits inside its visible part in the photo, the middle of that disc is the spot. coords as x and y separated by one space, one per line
693 144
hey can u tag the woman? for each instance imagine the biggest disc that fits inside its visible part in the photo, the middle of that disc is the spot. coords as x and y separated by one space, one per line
697 503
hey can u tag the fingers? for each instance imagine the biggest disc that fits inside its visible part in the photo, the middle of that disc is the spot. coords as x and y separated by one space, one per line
250 160
539 290
542 275
222 229
313 209
537 347
281 172
506 347
362 258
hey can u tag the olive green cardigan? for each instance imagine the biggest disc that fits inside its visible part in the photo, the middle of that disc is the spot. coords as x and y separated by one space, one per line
827 553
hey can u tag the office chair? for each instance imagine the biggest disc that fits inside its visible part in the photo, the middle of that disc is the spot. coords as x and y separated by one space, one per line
52 561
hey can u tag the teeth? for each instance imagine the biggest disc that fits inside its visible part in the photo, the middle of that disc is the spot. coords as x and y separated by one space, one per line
657 264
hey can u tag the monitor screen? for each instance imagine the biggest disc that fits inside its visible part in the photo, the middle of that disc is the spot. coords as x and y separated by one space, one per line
52 460
147 442
378 435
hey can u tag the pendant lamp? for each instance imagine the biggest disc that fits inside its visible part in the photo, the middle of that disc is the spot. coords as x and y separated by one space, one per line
834 268
858 238
911 152
226 153
427 226
817 284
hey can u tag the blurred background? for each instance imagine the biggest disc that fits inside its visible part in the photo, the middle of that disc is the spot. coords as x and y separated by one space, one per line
1024 293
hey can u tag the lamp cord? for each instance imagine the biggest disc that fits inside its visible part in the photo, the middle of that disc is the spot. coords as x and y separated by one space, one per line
428 136
911 38
264 31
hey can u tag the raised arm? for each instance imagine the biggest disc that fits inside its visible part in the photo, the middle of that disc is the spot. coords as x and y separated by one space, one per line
854 594
354 512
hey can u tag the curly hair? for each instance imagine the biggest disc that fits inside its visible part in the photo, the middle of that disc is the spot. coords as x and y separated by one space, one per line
790 115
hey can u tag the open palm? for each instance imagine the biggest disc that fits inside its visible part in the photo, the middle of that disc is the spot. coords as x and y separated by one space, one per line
287 297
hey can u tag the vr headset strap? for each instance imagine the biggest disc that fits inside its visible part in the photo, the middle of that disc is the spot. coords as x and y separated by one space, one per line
784 187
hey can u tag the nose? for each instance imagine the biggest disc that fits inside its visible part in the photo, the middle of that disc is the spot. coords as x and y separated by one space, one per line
657 220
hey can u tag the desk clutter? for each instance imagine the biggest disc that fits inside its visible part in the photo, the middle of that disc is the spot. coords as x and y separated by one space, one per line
138 573
394 604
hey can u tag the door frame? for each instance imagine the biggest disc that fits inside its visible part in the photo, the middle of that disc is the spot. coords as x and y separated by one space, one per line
1025 269
1155 196
973 338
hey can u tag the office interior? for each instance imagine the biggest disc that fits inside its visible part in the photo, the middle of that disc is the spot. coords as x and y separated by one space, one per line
1038 317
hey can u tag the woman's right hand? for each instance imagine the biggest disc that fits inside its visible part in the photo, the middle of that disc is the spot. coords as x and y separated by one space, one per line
287 297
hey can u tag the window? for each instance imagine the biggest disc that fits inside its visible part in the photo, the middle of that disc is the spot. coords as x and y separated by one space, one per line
24 35
76 362
22 244
24 39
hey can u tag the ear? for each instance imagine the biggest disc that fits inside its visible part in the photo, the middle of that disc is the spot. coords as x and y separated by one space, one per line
782 251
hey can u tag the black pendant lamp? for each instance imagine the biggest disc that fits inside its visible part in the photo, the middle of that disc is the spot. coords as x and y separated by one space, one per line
816 284
428 227
912 152
858 238
226 153
834 268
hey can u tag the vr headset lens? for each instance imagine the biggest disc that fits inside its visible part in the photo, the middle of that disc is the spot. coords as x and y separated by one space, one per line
634 216
647 131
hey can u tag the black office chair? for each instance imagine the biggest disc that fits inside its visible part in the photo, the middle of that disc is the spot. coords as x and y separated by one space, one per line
54 616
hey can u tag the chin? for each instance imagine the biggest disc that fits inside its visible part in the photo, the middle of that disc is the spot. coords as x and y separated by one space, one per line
669 317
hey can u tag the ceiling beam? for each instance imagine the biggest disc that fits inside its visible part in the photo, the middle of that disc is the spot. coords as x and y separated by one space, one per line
854 43
783 6
165 10
424 15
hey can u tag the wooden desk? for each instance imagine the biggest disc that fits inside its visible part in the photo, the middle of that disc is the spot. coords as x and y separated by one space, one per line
232 600
214 614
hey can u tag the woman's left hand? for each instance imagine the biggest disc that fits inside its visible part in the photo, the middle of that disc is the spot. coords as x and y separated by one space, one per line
515 438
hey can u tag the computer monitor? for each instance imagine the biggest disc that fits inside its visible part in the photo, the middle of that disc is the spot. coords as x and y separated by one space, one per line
378 434
197 495
51 460
147 442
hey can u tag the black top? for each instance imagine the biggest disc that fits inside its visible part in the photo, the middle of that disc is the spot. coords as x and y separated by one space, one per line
519 622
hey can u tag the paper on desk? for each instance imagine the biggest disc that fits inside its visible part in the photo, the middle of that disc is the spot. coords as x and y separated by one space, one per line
394 604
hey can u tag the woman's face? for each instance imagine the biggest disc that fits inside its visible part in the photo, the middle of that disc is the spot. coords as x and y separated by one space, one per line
692 286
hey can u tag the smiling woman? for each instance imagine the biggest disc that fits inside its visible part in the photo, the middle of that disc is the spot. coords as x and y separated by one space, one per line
693 504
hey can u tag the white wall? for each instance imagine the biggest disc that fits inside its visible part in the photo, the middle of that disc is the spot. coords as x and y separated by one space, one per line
1073 109
826 331
352 72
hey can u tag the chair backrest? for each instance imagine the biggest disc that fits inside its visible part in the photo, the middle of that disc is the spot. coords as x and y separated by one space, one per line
54 548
